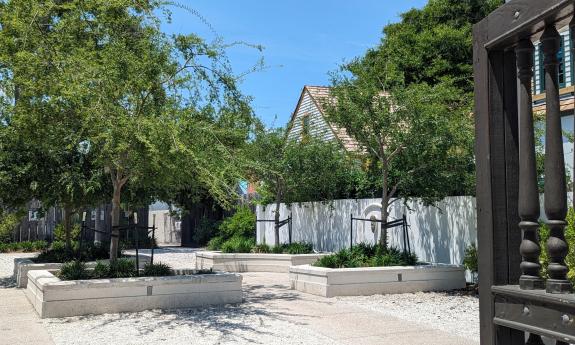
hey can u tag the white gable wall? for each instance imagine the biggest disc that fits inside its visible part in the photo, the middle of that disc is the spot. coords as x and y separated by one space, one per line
318 127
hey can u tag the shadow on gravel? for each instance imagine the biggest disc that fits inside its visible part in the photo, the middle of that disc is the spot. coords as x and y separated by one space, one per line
232 323
7 282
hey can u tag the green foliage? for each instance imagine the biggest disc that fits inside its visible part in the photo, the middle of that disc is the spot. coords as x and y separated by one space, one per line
241 224
157 270
73 270
366 255
216 243
60 232
261 249
238 245
27 246
101 270
8 222
470 258
57 252
122 268
205 231
108 101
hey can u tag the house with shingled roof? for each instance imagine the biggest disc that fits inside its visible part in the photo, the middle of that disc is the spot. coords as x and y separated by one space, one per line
309 119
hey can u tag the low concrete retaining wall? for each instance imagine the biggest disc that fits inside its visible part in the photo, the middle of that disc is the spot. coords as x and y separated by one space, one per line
329 282
52 297
253 262
23 266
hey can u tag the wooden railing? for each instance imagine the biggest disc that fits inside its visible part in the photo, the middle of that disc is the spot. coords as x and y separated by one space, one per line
517 304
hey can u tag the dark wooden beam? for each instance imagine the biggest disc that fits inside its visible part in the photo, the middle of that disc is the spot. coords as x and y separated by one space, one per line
519 19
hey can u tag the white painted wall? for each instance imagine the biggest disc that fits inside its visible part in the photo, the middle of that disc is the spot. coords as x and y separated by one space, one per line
438 234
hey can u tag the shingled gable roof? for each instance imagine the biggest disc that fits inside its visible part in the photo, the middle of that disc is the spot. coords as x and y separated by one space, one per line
320 95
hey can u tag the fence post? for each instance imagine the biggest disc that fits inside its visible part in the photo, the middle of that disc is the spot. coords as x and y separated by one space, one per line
153 237
290 228
351 231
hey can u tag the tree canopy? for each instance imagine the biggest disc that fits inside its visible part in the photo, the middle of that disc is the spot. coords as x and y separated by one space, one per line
98 85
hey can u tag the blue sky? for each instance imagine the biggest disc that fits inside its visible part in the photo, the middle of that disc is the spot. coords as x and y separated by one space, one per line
303 41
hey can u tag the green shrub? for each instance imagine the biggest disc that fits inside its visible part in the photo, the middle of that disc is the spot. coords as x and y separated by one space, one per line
299 248
205 231
39 245
101 270
73 270
216 243
57 252
366 255
8 222
60 233
27 246
241 224
157 270
16 246
123 268
261 249
470 258
238 245
3 247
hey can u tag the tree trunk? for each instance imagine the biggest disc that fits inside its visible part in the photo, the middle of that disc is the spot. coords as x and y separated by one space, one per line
68 226
115 238
384 206
277 219
98 226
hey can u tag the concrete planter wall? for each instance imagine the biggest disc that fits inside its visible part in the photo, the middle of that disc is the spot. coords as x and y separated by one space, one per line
329 282
22 266
52 297
253 262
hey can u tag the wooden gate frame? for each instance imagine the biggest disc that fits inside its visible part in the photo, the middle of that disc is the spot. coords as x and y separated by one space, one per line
497 158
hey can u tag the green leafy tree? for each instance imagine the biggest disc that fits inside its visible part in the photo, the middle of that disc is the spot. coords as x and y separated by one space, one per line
153 112
420 137
300 171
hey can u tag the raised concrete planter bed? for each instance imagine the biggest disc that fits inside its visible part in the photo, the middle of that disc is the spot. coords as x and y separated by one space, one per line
253 262
329 282
52 297
22 266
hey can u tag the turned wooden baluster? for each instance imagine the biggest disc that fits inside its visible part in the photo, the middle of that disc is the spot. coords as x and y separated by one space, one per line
534 339
528 193
555 187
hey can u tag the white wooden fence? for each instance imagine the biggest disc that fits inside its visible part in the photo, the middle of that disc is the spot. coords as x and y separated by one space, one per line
437 234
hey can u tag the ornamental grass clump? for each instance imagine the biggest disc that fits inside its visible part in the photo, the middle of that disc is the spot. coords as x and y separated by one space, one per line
366 255
157 270
74 270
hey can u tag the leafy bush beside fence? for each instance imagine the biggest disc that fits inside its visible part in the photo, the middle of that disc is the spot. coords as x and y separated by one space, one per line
367 255
27 247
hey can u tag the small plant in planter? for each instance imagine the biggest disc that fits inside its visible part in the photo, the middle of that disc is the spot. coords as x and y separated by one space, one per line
470 261
123 268
74 270
157 270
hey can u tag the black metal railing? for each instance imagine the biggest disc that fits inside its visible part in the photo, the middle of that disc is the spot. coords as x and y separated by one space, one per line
132 227
385 225
281 223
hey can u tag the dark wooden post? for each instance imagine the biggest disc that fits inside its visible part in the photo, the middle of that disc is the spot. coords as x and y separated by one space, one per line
528 193
555 186
572 37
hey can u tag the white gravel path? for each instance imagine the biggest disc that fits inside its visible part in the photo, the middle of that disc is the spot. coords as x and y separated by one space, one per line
454 313
7 268
273 314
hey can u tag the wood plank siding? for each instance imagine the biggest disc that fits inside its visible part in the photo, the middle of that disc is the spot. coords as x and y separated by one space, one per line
311 106
566 91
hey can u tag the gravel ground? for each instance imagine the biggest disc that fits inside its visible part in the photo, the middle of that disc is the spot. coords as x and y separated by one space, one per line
270 314
451 312
240 324
176 257
7 268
